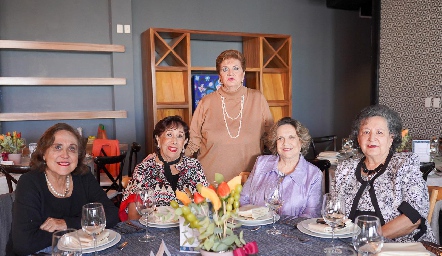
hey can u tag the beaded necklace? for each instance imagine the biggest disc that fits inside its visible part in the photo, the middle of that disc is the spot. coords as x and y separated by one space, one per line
223 105
371 173
66 191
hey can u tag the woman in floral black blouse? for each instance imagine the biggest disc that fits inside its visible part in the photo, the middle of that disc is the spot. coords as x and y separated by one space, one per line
168 171
384 183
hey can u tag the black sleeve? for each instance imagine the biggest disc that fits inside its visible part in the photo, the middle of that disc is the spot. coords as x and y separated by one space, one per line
27 237
411 213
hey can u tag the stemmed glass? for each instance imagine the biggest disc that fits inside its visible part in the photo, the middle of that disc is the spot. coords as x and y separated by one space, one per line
93 220
145 203
367 235
333 212
347 146
434 148
273 200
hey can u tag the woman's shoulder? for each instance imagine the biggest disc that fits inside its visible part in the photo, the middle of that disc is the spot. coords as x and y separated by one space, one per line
190 162
266 161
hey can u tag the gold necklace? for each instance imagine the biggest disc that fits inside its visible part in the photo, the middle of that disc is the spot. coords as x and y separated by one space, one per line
223 105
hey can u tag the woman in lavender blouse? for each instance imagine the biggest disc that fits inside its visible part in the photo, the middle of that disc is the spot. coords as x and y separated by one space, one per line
288 141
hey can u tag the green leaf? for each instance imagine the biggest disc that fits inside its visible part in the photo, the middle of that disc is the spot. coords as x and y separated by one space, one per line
218 230
221 247
219 178
229 240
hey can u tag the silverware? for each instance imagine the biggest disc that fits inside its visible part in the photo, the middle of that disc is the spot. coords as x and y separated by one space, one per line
256 228
300 239
122 245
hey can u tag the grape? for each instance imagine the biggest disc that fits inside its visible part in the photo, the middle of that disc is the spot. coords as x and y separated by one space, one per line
236 204
238 188
195 223
186 210
230 200
229 207
236 197
174 204
190 217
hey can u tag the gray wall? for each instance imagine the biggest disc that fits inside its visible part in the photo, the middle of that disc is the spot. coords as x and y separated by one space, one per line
331 56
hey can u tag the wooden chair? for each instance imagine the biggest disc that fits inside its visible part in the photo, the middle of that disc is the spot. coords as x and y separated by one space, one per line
7 170
435 195
324 166
426 168
112 185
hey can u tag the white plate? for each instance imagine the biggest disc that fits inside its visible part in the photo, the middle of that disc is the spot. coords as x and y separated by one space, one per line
159 225
264 220
113 239
303 227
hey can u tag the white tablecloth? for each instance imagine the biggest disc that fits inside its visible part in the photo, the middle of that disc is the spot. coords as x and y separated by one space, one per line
435 178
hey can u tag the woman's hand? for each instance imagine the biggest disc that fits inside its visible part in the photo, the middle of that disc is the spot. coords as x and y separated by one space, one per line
52 224
399 226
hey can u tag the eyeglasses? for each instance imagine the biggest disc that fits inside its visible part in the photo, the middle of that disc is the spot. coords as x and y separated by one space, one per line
57 147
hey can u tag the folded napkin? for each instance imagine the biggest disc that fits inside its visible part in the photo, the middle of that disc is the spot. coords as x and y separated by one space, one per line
324 228
87 241
162 250
329 154
404 249
252 211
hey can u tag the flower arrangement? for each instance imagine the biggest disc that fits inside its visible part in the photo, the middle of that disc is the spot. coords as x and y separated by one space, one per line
12 144
406 142
216 231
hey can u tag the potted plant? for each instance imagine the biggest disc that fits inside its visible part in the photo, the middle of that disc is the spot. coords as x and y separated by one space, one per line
11 146
215 228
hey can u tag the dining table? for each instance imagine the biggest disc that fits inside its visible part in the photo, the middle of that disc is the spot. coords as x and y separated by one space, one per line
291 242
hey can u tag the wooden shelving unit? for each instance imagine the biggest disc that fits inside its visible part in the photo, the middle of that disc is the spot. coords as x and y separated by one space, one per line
167 71
61 81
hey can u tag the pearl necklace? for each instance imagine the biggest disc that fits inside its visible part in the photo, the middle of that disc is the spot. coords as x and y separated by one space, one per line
223 105
66 191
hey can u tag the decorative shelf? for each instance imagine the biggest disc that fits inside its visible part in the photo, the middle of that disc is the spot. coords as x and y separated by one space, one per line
60 81
62 115
60 46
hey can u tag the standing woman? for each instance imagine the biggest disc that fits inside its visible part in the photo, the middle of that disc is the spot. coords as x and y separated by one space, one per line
50 197
228 125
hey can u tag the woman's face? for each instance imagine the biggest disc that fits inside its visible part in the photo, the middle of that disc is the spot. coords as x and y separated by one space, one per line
62 156
171 143
374 137
231 73
288 142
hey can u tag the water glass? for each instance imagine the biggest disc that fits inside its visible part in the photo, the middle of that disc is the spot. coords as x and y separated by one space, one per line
145 203
273 199
32 147
93 221
333 212
367 235
347 145
66 243
434 147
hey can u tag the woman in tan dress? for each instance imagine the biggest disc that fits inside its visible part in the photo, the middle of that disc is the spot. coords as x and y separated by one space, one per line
228 125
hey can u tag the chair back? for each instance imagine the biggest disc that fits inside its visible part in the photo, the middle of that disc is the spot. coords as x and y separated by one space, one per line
8 170
435 195
323 143
133 157
114 182
6 201
426 168
104 147
324 166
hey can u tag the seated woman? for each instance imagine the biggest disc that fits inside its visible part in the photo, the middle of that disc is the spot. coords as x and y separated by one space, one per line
301 181
50 197
384 183
167 170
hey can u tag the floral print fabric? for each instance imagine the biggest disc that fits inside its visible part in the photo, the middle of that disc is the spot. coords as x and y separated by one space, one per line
401 182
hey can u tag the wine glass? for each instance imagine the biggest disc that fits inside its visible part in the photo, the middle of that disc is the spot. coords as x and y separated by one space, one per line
347 145
273 200
66 243
145 203
434 148
333 212
367 235
93 220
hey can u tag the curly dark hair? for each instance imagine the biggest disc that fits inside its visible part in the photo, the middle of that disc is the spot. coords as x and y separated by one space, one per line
301 131
394 123
230 54
46 141
168 123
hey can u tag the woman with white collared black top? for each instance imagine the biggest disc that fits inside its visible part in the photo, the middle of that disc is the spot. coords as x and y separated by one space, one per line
384 183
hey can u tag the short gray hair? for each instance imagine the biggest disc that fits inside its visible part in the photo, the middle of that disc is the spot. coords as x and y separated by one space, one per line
394 123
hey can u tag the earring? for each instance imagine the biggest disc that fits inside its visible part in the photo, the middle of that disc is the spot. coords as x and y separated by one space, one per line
183 150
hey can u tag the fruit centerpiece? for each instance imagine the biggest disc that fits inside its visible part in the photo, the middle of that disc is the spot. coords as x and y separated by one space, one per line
215 225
